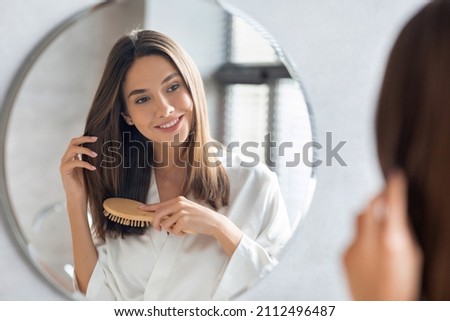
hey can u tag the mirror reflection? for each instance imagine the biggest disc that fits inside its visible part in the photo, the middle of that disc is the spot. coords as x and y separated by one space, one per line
255 105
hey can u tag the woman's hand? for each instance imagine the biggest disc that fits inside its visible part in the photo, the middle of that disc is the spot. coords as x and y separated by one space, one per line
72 165
180 215
384 261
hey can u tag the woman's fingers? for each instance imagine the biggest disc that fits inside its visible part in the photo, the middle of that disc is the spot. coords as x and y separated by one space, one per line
396 196
367 222
76 163
71 159
164 212
178 230
169 221
175 215
177 224
74 152
180 219
75 149
83 139
165 204
164 209
396 231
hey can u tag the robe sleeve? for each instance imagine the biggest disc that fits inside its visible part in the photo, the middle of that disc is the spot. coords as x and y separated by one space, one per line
98 287
254 257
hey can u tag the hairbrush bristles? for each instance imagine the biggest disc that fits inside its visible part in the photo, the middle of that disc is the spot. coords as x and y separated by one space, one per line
126 212
125 221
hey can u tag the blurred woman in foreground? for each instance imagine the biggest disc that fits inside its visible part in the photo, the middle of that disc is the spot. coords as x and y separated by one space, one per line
401 250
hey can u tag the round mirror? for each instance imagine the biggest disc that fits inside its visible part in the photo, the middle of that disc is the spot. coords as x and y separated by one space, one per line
254 95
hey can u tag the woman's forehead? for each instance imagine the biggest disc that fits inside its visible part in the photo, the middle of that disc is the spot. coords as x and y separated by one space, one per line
150 71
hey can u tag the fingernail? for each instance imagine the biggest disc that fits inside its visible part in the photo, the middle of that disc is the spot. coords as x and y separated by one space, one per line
94 154
94 138
93 167
141 206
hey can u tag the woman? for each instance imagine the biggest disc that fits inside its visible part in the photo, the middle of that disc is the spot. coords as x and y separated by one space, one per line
216 229
402 246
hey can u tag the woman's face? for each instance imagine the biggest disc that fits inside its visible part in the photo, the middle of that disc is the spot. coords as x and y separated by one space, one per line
158 101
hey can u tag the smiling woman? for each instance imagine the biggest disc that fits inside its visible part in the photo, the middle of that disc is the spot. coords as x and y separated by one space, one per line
251 90
236 217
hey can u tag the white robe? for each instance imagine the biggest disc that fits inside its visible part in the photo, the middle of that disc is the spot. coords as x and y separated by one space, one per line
157 266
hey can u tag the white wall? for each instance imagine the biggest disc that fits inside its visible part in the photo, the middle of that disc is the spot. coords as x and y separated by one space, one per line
340 48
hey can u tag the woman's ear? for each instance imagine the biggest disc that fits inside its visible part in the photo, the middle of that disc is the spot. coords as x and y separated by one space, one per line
127 119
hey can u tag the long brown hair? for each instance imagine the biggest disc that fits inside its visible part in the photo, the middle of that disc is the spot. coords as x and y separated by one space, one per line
125 155
413 134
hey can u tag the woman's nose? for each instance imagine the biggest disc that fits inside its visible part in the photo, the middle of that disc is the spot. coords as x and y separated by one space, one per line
164 108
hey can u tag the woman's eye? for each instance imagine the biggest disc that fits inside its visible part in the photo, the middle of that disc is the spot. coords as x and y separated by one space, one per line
173 87
142 100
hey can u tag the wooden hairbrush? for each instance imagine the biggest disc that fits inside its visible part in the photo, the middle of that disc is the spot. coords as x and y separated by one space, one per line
126 212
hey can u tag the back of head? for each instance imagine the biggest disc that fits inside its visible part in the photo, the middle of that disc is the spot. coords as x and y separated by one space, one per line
413 134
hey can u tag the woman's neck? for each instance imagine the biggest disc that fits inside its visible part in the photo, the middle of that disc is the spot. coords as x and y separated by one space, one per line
166 156
170 170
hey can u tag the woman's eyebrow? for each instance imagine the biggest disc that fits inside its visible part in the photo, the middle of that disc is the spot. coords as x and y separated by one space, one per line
170 77
136 92
141 91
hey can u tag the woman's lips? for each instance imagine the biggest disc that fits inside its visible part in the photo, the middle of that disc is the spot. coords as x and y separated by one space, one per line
172 125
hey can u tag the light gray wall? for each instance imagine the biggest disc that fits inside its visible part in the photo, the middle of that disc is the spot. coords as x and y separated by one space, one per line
340 48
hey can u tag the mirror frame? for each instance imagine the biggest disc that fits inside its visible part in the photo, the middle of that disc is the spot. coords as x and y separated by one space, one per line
5 112
20 76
